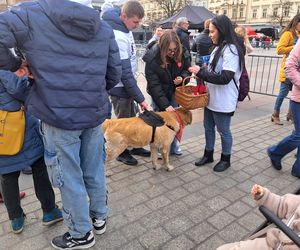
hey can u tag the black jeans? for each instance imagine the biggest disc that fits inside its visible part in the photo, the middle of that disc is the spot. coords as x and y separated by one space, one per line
42 186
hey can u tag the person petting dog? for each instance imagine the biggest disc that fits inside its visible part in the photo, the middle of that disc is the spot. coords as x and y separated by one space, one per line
126 92
222 80
167 64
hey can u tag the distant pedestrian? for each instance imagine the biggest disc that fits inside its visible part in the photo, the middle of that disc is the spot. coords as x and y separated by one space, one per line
182 30
242 32
158 31
284 47
203 45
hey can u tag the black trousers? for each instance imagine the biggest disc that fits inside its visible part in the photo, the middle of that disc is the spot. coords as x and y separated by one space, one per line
42 186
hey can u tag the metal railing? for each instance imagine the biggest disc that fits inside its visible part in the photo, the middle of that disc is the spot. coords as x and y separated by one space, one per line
263 72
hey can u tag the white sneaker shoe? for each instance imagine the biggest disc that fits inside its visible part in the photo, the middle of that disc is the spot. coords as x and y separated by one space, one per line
99 225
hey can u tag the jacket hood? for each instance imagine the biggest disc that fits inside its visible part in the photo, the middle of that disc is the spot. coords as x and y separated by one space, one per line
73 19
112 17
152 52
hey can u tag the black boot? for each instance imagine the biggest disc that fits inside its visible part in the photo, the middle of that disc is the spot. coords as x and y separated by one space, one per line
207 158
127 158
140 152
223 164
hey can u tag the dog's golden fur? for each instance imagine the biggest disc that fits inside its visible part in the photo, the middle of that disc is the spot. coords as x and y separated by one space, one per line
134 132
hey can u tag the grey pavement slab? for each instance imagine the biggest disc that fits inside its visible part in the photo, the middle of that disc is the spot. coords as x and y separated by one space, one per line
188 208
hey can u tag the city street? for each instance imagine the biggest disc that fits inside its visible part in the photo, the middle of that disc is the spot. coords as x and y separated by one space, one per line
188 208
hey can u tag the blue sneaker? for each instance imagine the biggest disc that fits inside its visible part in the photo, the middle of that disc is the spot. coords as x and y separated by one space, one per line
52 217
17 224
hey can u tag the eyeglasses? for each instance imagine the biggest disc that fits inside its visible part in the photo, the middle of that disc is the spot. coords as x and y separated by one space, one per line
172 50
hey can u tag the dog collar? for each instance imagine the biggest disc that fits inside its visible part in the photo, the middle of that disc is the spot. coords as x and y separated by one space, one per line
179 133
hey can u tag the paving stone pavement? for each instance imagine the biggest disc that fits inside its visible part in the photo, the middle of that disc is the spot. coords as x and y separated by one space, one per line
188 208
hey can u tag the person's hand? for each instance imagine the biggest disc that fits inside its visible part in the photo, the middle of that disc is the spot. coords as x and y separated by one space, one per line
194 69
257 191
170 108
178 80
144 105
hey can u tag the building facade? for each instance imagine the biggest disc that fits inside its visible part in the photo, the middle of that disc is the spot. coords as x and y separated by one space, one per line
276 12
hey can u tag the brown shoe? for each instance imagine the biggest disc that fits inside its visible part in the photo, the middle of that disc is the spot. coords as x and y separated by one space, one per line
275 118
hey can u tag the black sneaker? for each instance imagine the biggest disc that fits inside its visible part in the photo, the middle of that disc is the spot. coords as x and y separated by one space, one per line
141 152
66 241
99 226
127 158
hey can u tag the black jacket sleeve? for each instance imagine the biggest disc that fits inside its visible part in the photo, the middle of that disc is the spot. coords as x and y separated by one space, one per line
220 79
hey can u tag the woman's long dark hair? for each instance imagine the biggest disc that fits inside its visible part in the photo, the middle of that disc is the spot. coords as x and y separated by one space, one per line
227 36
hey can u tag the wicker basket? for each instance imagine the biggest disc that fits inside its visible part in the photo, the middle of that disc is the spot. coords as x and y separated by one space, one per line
185 97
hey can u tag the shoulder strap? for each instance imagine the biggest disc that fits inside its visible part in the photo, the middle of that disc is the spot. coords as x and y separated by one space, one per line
235 84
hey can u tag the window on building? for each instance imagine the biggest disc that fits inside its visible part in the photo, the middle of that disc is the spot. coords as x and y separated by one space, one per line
298 9
234 13
264 13
241 12
217 12
286 11
254 13
275 11
225 12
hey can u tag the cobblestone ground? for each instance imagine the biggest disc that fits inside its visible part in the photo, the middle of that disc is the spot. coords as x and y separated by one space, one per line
188 208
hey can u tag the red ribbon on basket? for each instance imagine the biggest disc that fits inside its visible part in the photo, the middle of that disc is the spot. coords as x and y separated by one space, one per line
200 89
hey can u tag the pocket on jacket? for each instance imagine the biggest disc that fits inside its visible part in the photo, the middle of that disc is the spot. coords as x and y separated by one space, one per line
54 169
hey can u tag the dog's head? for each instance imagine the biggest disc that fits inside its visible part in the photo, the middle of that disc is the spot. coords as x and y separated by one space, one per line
186 115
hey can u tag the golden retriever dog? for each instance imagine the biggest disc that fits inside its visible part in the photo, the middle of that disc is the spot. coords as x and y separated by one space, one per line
134 132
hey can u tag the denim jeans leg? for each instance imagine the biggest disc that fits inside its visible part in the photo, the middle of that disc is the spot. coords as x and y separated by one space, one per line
223 126
209 127
91 155
283 92
62 157
289 143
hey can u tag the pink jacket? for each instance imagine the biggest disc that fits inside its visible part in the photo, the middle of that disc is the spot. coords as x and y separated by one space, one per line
292 71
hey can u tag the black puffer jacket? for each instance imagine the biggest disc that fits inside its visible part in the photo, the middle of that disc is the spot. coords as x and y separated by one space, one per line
160 85
184 37
202 44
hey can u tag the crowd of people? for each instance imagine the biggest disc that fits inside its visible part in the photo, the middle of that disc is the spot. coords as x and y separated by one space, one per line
69 79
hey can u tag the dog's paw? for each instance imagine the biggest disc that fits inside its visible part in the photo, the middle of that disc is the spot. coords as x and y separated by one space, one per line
170 168
155 167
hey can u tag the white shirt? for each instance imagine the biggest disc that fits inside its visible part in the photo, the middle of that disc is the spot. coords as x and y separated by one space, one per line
223 98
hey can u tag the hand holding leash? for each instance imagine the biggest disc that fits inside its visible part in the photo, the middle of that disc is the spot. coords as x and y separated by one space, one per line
144 105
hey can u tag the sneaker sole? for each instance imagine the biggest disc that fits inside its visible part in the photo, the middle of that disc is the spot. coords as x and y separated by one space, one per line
18 231
101 231
76 247
49 223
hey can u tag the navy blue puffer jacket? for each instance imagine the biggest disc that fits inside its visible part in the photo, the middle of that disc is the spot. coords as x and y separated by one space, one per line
13 92
73 57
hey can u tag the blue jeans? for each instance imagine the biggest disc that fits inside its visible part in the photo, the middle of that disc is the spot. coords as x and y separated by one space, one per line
289 143
74 160
222 122
283 92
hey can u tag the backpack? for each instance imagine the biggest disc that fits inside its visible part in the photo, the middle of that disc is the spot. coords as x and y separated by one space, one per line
244 85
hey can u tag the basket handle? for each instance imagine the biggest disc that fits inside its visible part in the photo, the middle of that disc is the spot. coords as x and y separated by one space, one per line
189 77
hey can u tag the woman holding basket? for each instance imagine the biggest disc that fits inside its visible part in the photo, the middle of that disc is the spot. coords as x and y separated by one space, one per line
167 65
222 80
